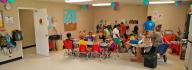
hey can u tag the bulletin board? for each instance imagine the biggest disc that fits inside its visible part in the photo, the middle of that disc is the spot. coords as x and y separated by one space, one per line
1 19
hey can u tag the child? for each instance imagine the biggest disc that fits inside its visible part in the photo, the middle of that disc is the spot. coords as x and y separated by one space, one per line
126 41
134 39
90 36
101 35
82 34
96 46
112 46
68 43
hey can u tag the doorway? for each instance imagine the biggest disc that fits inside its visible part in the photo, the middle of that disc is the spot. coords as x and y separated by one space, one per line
33 23
26 17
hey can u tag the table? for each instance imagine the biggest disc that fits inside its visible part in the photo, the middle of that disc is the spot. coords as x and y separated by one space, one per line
90 43
138 50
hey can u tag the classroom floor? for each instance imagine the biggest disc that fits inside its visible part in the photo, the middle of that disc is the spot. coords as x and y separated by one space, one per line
57 61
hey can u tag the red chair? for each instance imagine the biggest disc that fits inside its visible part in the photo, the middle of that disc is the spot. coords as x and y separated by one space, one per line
176 47
96 50
83 50
68 44
51 45
114 49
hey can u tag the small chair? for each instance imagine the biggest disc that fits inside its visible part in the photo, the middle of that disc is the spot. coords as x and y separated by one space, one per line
96 50
114 49
162 49
83 50
68 44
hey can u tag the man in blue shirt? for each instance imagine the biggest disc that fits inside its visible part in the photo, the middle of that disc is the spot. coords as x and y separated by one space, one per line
149 25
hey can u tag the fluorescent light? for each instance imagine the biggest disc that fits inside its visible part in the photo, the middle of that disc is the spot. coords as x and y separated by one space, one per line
161 2
71 1
102 4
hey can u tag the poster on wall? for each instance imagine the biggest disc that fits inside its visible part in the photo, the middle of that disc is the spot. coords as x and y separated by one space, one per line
1 19
9 20
157 15
49 18
70 20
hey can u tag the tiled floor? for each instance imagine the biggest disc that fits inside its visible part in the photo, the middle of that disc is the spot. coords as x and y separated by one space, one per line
57 61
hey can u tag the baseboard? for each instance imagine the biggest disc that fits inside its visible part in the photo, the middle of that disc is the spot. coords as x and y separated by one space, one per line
8 61
29 46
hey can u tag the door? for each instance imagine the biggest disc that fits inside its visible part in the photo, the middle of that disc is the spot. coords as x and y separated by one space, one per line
188 56
190 53
41 32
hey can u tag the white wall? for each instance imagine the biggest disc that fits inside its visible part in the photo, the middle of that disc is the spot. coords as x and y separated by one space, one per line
172 17
136 12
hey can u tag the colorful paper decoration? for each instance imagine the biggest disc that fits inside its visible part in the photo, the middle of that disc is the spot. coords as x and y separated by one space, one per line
49 18
86 7
190 10
115 5
191 6
146 2
4 1
10 1
179 3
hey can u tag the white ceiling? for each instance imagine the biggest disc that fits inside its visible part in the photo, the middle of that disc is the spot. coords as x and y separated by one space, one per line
137 2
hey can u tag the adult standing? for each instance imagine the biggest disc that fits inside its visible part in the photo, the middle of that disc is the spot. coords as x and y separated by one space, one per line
160 42
122 29
149 25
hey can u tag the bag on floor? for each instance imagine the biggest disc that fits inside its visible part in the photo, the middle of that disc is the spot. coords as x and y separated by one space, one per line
150 61
183 52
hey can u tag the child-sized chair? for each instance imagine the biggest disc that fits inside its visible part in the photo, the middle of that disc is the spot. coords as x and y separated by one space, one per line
162 49
96 50
113 49
68 45
83 50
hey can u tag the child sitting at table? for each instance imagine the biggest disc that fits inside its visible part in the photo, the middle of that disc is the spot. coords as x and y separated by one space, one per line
83 47
96 46
82 41
101 35
126 41
111 46
68 43
133 39
90 36
82 34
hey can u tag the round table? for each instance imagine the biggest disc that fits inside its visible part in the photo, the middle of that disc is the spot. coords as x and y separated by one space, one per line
138 50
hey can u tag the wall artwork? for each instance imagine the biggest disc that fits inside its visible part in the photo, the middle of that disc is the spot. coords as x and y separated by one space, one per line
1 19
50 22
70 20
9 20
157 15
